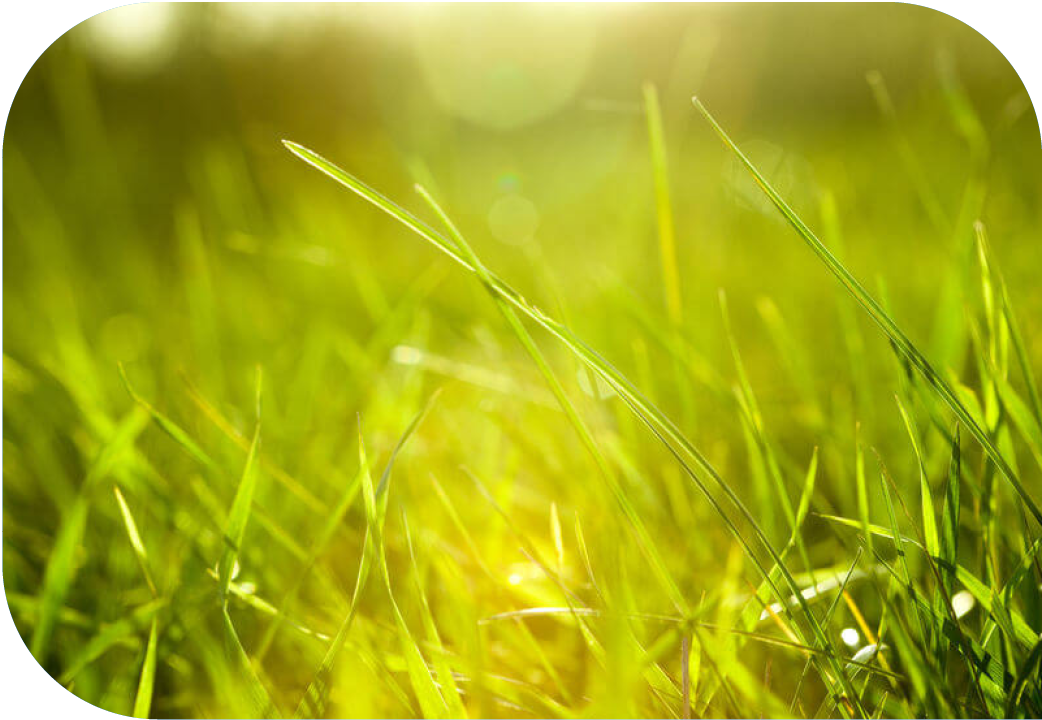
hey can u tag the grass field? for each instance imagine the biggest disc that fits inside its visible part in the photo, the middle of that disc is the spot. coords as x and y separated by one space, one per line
525 361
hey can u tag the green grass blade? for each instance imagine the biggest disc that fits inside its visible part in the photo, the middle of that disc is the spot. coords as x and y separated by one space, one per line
135 539
58 576
1028 673
862 487
318 547
949 547
316 695
257 697
901 342
926 493
657 422
239 515
446 680
108 637
529 344
61 566
431 702
663 205
168 426
313 702
1021 353
143 699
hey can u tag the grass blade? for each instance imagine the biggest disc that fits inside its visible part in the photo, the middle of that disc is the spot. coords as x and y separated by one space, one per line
239 515
431 702
135 538
257 697
318 547
315 698
949 548
1028 671
529 344
926 493
446 680
60 570
168 426
58 577
143 699
901 342
663 205
657 422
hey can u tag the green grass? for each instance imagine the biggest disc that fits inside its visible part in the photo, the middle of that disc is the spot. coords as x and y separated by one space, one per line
655 459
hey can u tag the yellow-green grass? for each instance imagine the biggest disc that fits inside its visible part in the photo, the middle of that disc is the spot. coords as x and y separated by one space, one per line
719 437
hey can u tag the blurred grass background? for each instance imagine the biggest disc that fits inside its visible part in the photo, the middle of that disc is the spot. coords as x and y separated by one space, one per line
153 218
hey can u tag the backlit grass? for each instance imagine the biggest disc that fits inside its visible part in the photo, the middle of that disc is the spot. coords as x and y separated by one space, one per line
734 431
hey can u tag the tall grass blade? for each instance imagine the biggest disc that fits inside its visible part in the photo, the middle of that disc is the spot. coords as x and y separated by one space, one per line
316 696
663 204
431 702
949 547
647 545
143 699
901 342
656 422
61 566
239 515
58 576
926 492
446 679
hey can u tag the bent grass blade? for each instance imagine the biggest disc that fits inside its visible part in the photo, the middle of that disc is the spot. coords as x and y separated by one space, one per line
664 429
905 346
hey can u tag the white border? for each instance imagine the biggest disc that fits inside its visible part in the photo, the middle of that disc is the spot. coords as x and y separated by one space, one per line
29 28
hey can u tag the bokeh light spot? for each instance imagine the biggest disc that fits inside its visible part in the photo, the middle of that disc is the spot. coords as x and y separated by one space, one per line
513 219
135 38
503 67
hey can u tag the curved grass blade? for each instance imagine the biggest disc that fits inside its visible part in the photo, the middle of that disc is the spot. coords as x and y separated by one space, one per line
431 702
441 665
316 695
257 696
643 538
664 429
901 342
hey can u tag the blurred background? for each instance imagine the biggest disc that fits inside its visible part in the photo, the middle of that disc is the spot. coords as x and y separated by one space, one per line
153 217
528 120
